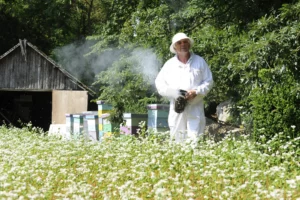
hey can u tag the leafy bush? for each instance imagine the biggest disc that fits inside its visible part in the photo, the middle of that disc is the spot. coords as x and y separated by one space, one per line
254 58
276 91
127 85
258 70
276 106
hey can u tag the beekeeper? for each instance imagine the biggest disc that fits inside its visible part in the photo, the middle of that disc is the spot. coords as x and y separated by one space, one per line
185 79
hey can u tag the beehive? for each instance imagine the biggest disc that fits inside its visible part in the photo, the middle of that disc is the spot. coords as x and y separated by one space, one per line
103 109
69 123
132 122
91 125
158 117
77 124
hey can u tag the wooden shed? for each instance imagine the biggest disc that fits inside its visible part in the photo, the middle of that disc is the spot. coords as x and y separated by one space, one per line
33 88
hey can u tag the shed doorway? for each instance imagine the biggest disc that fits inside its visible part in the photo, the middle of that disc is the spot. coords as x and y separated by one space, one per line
21 107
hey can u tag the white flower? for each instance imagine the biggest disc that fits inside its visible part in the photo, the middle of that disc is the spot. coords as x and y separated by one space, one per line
293 126
292 183
257 184
225 193
276 193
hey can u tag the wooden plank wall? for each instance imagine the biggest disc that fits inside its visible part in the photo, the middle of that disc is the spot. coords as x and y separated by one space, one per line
36 73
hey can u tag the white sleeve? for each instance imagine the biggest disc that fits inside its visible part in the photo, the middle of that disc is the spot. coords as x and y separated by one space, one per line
207 83
163 88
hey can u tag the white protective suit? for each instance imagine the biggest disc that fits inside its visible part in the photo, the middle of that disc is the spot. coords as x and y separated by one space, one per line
175 75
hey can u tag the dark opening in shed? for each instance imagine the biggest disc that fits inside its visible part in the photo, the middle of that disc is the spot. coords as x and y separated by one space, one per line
33 88
19 107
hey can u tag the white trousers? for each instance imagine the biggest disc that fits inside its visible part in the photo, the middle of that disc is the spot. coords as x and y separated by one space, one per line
188 125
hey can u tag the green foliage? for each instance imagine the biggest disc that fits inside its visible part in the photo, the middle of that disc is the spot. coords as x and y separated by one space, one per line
125 87
257 69
217 47
276 106
46 24
267 66
252 47
144 24
220 14
245 50
115 15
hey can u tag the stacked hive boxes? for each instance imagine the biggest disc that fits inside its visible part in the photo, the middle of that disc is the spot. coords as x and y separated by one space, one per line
132 123
102 109
158 117
105 126
91 125
95 124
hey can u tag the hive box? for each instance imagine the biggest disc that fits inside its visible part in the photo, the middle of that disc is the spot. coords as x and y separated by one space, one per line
69 123
91 125
103 111
103 107
77 124
132 122
107 128
158 117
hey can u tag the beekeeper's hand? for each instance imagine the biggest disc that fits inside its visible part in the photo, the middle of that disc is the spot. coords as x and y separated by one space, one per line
191 94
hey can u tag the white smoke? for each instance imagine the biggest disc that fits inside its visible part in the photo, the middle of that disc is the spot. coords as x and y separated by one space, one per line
147 62
75 58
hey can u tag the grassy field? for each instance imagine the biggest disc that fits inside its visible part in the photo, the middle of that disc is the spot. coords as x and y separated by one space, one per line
36 166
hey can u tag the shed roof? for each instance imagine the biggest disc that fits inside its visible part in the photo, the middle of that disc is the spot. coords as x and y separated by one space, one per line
23 46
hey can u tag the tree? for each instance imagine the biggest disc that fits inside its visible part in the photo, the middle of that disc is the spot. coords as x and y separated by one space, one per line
128 84
262 71
236 38
47 24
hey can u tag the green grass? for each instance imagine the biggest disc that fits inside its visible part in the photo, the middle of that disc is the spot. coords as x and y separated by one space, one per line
36 166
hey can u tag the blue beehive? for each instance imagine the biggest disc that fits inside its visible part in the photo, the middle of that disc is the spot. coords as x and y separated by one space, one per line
91 125
158 117
77 124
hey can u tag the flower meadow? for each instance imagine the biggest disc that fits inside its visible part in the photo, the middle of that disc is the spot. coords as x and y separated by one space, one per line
37 166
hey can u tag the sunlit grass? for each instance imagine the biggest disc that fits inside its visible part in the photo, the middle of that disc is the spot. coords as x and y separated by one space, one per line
36 166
